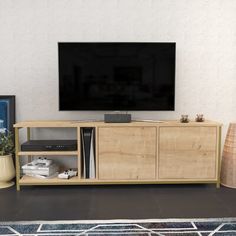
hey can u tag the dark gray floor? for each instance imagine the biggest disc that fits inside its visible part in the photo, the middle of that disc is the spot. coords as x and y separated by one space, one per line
116 202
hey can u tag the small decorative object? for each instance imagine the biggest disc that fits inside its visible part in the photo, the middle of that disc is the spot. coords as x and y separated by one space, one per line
7 170
228 167
184 119
199 118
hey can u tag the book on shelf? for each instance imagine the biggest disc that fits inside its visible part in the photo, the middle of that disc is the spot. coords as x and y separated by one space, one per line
40 169
54 175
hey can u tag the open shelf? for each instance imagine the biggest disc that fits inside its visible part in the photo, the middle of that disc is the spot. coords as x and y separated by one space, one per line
48 153
28 180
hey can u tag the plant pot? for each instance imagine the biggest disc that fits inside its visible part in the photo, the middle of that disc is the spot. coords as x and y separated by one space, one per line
7 171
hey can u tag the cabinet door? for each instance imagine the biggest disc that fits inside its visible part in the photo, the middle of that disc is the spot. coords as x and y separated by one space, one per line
126 153
187 153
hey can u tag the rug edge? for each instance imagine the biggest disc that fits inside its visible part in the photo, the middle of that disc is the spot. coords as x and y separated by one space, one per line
223 219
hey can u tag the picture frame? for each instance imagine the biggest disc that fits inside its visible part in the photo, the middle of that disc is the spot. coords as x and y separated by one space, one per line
7 113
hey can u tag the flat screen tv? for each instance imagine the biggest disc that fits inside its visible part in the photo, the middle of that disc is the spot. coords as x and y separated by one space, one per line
116 76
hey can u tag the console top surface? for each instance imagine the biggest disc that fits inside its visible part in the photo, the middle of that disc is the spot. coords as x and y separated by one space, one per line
98 123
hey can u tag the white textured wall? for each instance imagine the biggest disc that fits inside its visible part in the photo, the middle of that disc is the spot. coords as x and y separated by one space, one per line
204 30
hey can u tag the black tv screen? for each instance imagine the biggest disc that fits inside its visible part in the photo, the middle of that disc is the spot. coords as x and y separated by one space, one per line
116 76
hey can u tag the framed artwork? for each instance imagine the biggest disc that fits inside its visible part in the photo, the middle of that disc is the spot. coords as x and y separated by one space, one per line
7 113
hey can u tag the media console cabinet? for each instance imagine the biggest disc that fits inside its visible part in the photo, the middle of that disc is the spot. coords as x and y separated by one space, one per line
137 152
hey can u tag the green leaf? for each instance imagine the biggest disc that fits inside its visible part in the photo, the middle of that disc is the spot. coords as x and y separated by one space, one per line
6 144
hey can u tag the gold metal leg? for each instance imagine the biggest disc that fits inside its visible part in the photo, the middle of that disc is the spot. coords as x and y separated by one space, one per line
17 158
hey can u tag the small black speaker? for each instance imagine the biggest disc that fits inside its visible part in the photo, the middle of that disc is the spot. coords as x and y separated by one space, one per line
117 118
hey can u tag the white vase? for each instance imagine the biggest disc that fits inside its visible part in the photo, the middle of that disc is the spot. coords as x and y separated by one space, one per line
7 171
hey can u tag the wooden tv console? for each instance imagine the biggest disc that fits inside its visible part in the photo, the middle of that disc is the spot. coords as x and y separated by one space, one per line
137 152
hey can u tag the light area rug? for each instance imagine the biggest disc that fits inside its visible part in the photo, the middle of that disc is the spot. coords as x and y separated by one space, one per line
146 227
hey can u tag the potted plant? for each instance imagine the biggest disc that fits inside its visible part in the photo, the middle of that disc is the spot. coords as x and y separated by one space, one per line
7 170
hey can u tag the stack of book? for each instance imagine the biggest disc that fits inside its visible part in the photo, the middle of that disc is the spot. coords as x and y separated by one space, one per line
88 152
41 170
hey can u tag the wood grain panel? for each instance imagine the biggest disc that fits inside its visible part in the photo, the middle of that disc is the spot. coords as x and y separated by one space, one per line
127 153
187 153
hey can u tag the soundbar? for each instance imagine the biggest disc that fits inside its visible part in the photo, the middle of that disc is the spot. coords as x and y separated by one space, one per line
49 145
117 118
